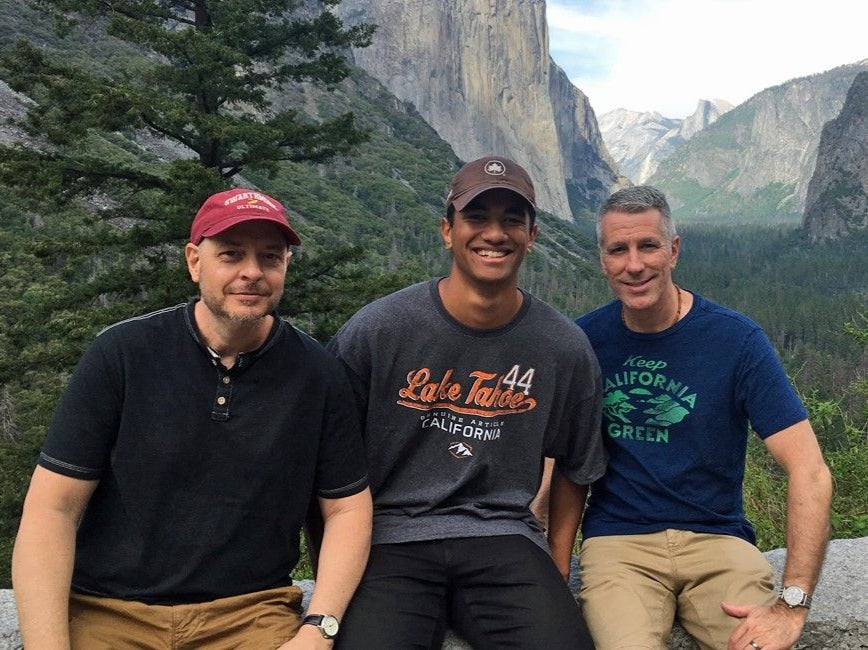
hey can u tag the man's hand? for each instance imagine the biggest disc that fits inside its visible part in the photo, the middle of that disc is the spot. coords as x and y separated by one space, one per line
774 627
308 638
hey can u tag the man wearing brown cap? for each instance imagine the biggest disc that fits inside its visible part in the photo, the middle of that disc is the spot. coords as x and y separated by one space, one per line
166 505
464 384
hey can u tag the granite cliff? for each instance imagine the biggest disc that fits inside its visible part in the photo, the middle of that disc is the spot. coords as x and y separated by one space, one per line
756 161
837 200
480 74
13 109
640 141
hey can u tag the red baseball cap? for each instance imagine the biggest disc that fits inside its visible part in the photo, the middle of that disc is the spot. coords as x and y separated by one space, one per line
223 210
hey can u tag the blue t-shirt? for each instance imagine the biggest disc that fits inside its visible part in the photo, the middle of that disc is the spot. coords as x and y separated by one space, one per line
676 410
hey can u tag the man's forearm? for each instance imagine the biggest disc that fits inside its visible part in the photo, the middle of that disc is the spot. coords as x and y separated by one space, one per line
41 573
809 496
566 505
44 556
344 553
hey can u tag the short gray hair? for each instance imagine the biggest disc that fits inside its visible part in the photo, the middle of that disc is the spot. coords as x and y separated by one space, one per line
636 199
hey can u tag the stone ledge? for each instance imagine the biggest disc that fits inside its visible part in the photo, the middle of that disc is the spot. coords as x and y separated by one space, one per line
838 619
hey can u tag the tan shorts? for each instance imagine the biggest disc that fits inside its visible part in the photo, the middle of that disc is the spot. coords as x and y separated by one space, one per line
633 586
260 620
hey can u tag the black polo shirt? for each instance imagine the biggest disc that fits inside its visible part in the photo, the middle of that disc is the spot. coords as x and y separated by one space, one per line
205 473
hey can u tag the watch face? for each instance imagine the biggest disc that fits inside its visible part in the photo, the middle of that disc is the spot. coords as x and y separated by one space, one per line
329 625
793 596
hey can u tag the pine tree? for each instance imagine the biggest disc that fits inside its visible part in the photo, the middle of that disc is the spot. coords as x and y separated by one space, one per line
213 68
214 79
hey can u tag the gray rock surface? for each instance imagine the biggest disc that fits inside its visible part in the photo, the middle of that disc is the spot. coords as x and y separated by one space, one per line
837 202
838 619
9 637
13 109
640 141
479 72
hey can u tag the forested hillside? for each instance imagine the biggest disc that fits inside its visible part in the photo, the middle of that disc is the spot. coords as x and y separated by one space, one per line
369 223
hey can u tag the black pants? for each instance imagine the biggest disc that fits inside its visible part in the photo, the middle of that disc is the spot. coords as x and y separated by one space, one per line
495 592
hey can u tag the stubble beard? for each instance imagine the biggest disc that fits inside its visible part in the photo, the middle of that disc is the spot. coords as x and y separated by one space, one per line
245 319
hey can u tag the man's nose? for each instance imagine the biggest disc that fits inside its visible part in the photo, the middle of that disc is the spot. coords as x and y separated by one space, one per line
494 230
251 268
635 263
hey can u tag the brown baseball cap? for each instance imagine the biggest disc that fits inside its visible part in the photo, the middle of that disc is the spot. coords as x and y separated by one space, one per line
486 174
223 210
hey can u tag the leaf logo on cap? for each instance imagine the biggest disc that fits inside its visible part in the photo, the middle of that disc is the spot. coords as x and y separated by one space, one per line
495 168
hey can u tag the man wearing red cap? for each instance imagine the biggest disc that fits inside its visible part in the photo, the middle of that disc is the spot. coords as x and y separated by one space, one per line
166 505
465 384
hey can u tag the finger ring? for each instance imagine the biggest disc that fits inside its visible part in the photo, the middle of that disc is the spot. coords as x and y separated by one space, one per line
754 645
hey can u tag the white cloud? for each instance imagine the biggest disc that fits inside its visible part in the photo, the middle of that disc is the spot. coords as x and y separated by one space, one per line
664 55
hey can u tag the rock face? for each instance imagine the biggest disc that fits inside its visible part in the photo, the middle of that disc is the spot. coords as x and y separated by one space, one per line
755 162
838 619
479 72
837 201
640 141
13 109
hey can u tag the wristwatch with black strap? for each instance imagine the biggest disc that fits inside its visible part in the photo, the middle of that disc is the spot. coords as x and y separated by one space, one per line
327 624
794 596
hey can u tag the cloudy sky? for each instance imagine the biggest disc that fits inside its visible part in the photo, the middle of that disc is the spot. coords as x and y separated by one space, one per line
665 55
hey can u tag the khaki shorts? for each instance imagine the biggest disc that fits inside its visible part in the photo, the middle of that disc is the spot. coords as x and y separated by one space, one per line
260 620
633 586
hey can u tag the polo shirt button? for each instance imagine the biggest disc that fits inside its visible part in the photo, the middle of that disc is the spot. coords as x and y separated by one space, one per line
221 401
226 380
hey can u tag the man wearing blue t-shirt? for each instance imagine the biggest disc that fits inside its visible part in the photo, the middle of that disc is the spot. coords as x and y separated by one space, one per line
664 532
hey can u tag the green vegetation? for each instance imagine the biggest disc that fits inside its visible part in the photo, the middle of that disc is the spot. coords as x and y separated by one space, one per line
771 204
82 250
729 131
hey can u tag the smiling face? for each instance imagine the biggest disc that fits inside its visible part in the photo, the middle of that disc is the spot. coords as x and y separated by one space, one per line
240 272
638 259
489 239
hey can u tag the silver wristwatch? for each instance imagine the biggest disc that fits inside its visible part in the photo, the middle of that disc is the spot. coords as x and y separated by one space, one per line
327 624
795 596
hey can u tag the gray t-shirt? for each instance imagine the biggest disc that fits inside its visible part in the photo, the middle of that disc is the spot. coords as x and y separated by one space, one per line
457 421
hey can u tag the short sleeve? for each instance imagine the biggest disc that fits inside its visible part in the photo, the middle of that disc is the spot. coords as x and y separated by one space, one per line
764 389
578 446
86 419
341 469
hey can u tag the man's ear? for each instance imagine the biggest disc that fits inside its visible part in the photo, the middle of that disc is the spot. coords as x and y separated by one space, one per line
534 230
191 253
446 232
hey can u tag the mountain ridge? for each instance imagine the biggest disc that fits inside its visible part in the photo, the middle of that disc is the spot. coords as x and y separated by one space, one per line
755 162
639 141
